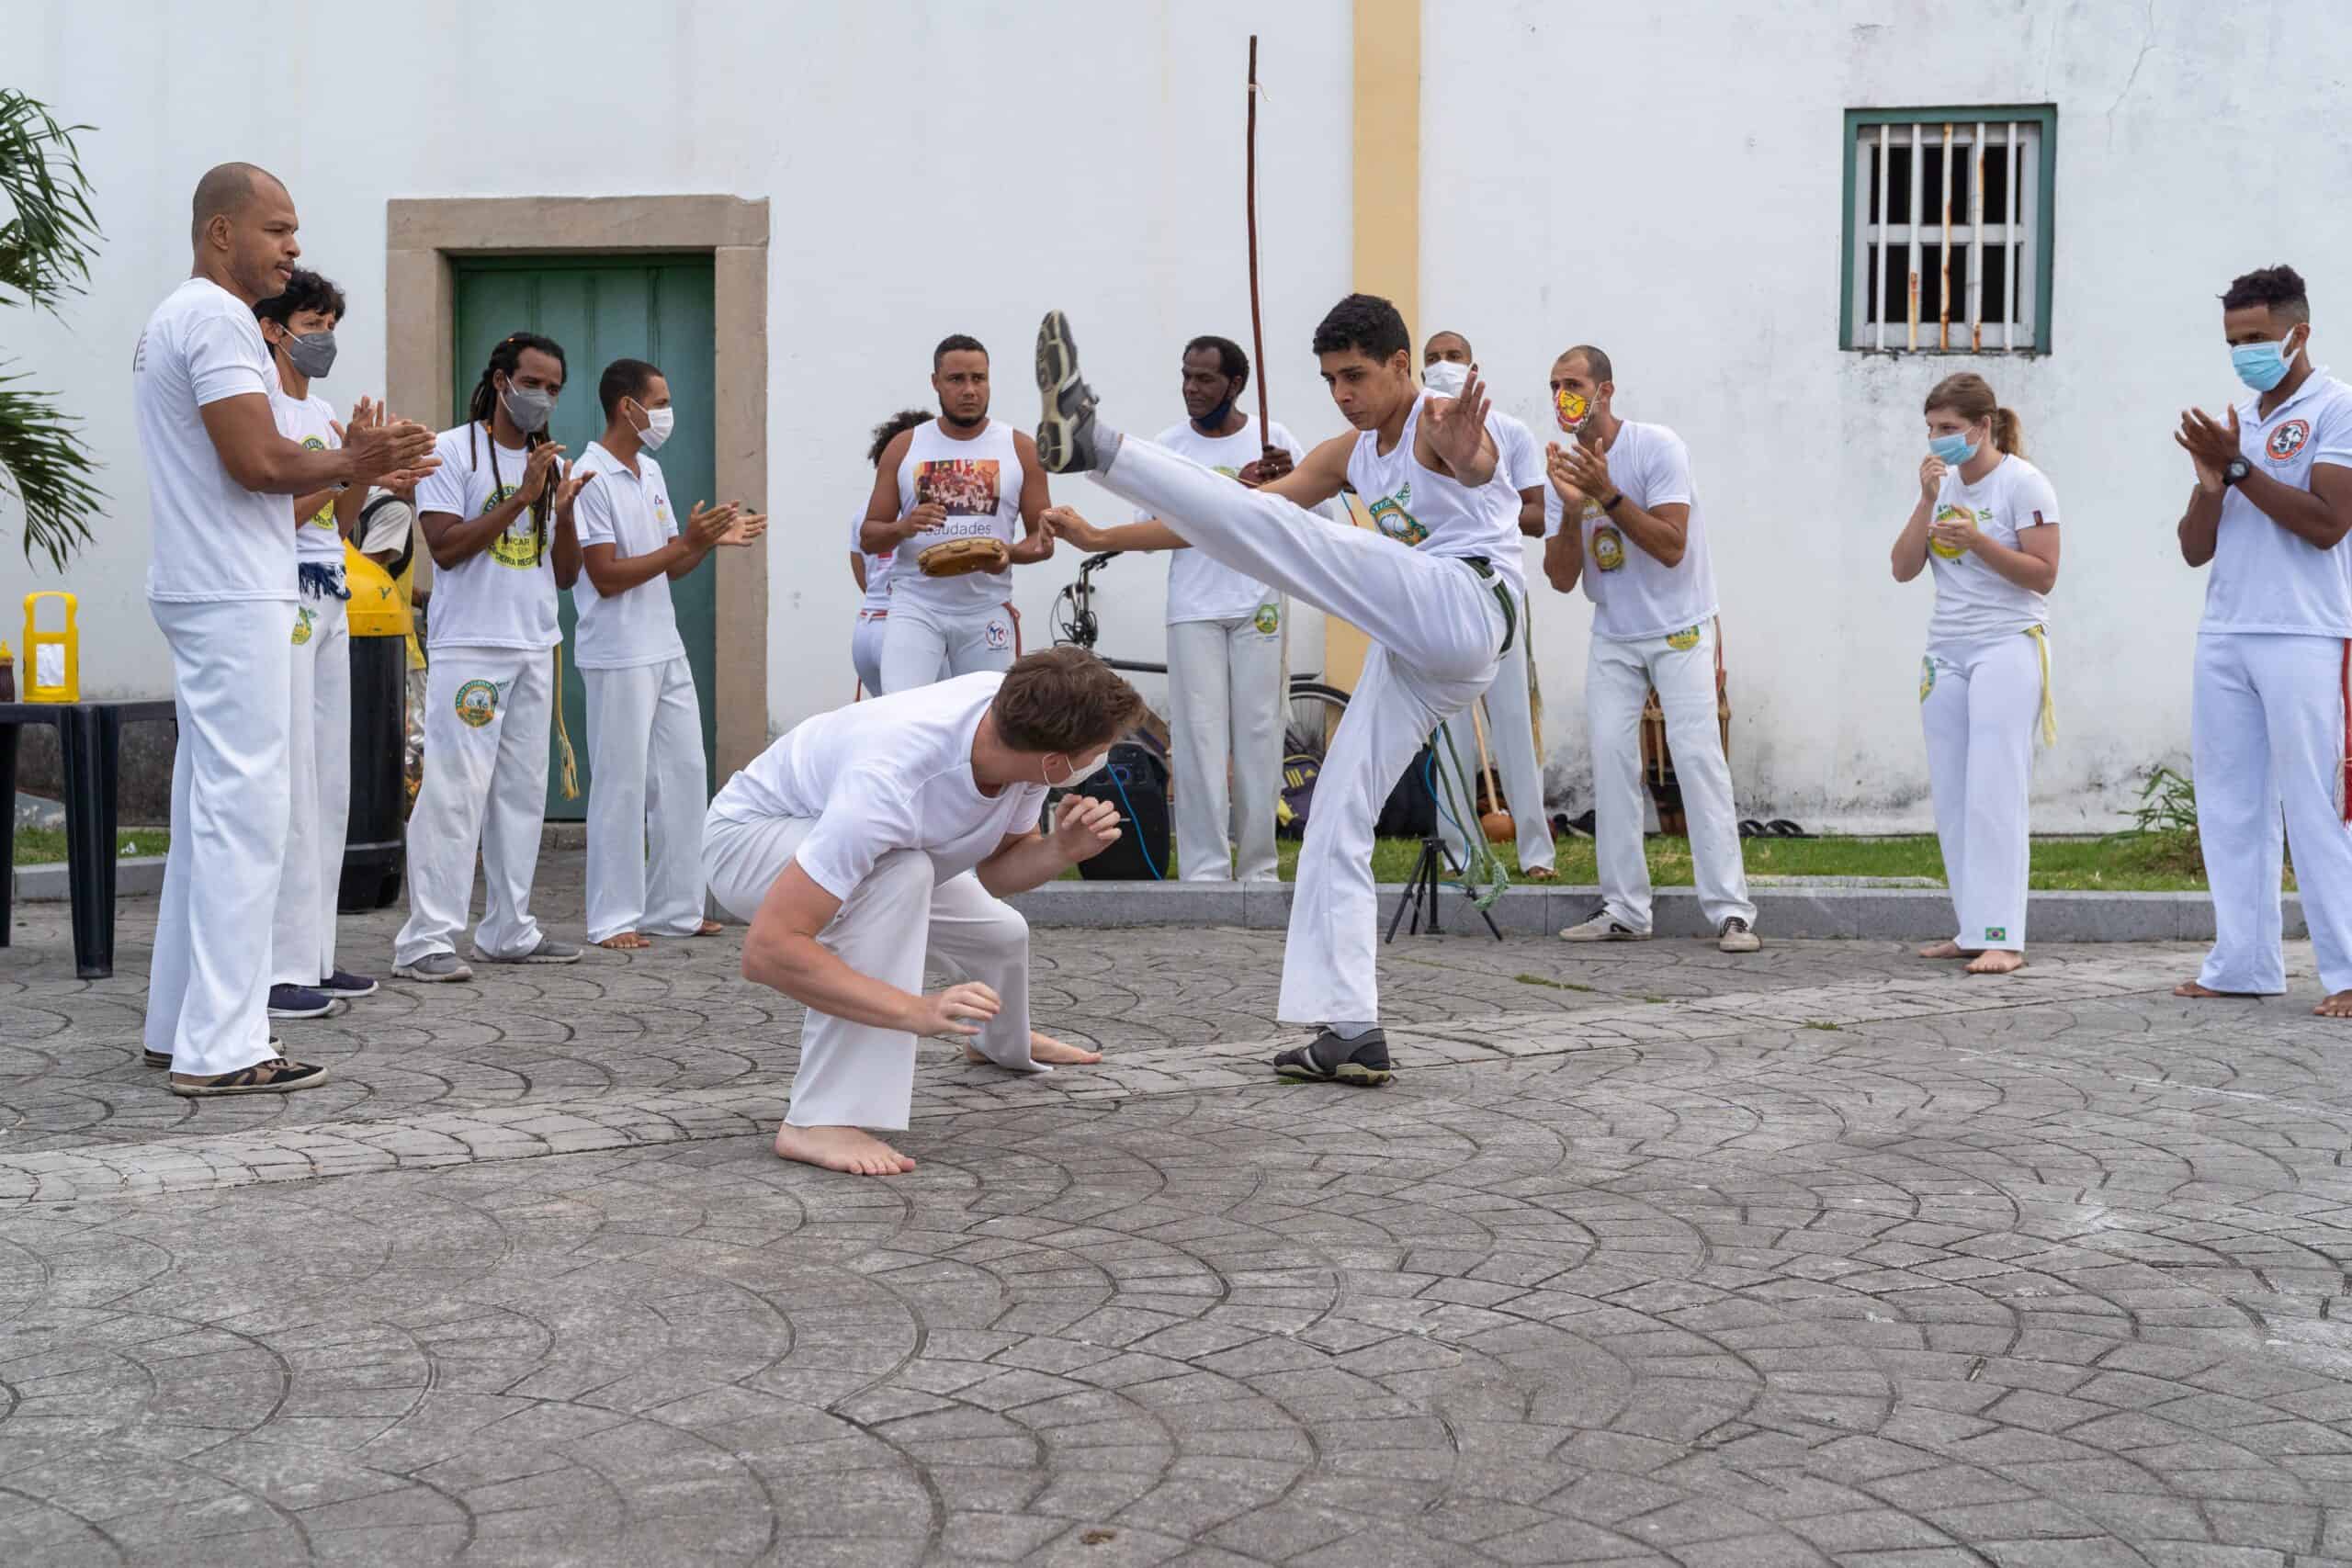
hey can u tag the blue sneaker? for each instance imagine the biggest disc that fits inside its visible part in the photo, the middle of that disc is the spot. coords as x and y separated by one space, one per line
298 1001
343 983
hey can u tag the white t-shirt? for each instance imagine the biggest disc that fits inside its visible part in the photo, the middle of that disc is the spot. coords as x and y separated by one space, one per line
978 482
2264 579
309 421
1201 588
209 537
1523 455
1434 512
877 570
502 596
1634 595
892 772
632 514
1973 602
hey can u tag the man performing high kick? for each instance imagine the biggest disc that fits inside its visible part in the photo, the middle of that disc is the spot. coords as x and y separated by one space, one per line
1439 613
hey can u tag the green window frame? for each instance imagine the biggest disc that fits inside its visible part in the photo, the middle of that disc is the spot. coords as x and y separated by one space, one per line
1945 279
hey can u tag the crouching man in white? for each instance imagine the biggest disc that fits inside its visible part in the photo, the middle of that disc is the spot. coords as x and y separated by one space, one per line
863 827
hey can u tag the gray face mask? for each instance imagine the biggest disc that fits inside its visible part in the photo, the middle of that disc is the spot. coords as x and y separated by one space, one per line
528 407
310 354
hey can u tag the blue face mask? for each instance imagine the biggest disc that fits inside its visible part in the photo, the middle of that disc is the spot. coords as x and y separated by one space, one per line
1953 449
2262 366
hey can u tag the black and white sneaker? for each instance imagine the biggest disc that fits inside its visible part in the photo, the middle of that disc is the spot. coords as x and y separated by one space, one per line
1361 1062
1066 428
1602 927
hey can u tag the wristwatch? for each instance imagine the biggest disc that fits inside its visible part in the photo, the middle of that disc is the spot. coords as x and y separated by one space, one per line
2237 469
1614 501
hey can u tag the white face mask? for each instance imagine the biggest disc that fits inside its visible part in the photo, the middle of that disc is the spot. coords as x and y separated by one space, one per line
1446 377
1079 776
656 429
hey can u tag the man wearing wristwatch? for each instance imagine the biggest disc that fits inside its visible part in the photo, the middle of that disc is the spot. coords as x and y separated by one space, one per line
2268 724
1622 515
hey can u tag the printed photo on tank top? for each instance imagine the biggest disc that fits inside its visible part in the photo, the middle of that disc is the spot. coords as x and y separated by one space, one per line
965 487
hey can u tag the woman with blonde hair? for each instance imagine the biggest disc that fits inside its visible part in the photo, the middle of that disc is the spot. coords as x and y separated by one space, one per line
1987 523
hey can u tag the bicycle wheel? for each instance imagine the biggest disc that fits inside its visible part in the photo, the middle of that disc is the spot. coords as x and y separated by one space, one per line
1314 713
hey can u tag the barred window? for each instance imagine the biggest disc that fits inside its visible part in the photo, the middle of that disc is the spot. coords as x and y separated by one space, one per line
1948 218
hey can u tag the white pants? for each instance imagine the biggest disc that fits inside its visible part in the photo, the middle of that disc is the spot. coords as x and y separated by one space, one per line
866 649
2266 731
645 782
486 716
318 775
857 1075
920 646
1436 627
1980 704
1510 742
1618 676
1225 707
208 990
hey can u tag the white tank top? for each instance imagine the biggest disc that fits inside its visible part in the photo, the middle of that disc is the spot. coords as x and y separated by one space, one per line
1431 512
979 481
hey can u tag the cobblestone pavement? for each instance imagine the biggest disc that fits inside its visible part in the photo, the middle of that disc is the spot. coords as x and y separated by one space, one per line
1651 1256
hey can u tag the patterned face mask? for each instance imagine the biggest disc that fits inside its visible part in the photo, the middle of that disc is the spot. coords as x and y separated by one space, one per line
1573 410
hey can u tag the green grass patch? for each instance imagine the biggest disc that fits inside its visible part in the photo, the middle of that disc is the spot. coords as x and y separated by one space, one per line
36 846
1554 985
2118 862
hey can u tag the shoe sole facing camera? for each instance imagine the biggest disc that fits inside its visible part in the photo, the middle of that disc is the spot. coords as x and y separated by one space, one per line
1059 446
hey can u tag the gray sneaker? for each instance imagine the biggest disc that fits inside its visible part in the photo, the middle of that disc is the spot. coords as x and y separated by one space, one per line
1603 927
433 968
1733 936
550 951
1065 429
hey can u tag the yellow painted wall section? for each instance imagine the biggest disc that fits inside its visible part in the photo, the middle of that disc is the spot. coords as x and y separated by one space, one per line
1388 258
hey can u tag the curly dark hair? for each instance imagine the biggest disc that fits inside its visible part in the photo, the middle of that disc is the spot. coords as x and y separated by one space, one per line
1231 362
1366 324
303 291
2281 288
890 429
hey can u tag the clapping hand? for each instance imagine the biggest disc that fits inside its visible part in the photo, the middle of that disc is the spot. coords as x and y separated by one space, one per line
1084 826
708 525
1562 477
537 468
567 490
749 526
2210 447
1588 470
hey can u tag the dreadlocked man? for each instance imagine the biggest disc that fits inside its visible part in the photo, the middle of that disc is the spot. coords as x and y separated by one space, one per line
489 514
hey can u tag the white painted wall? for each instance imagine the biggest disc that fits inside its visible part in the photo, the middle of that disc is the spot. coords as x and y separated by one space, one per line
1663 179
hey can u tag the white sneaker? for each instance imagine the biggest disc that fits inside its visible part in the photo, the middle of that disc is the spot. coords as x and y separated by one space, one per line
1603 927
1733 936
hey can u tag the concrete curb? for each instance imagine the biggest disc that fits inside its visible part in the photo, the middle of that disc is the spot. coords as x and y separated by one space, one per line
1894 914
45 883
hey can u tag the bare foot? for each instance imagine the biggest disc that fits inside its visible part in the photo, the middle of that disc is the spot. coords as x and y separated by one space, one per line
848 1149
709 928
2337 1006
1542 874
1996 961
625 941
1052 1052
2196 992
1947 950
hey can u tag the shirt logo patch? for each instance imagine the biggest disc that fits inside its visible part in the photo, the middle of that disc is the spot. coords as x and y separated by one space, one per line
2287 440
519 547
999 636
1608 548
1684 640
477 704
1393 515
324 516
1269 620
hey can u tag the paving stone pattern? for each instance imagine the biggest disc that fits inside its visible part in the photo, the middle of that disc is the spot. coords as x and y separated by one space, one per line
1651 1256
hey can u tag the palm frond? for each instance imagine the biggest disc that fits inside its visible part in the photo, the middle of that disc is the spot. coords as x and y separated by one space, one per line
43 467
50 231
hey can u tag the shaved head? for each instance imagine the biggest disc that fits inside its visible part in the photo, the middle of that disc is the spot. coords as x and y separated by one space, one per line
224 192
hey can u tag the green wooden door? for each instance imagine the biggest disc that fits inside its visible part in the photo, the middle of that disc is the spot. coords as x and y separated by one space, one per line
602 309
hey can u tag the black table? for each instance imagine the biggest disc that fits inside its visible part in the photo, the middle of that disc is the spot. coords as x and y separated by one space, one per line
89 738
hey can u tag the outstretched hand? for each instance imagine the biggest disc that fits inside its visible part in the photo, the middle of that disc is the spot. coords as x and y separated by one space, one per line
1063 523
1458 423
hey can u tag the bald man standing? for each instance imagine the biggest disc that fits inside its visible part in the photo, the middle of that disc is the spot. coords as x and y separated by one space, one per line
222 585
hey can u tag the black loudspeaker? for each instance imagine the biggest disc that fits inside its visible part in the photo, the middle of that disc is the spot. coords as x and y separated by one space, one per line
1411 811
1134 782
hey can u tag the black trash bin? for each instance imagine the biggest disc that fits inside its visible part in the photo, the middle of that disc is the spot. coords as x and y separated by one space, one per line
375 839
